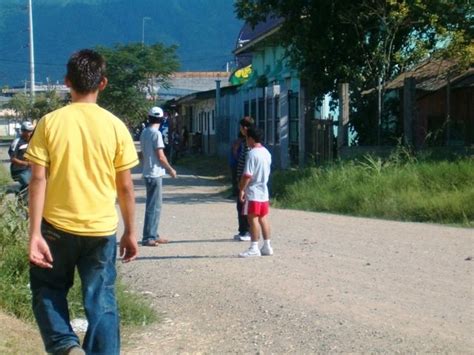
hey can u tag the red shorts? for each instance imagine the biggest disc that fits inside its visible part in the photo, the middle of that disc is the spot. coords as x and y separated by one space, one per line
256 208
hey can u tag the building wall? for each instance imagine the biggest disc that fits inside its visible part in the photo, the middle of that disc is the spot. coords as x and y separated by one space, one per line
9 126
204 121
432 113
272 105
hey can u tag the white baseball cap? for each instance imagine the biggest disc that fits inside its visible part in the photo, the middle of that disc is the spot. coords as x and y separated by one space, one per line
156 112
27 126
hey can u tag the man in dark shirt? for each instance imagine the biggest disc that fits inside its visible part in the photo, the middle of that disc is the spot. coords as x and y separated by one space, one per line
244 234
20 167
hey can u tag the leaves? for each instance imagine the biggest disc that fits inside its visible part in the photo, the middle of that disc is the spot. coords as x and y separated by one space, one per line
133 70
43 103
365 43
361 41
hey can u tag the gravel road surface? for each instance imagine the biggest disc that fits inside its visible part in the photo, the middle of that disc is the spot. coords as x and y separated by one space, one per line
335 283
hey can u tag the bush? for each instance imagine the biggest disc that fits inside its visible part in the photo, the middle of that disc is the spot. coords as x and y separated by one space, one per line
15 295
399 187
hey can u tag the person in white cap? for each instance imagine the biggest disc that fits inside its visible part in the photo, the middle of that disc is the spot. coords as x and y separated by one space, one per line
155 165
20 167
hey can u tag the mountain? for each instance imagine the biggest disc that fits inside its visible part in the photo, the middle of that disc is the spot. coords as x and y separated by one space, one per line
204 30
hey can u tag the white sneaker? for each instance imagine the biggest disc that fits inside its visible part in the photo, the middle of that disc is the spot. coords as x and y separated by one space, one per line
237 236
250 253
266 250
245 238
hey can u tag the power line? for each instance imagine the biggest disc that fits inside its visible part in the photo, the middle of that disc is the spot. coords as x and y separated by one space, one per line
27 62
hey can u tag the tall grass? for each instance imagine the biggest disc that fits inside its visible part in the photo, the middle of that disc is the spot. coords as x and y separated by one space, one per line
400 188
15 294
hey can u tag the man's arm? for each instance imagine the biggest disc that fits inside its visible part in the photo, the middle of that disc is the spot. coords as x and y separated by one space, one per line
164 162
126 200
244 182
17 161
38 250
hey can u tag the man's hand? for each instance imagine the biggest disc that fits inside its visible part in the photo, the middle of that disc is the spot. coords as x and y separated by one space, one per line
128 247
242 196
39 253
172 172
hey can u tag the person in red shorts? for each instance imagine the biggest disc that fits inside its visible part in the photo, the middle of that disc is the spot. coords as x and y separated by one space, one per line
254 193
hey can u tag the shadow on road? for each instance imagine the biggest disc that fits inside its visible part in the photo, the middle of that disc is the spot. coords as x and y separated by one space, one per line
202 241
188 198
185 257
182 190
183 180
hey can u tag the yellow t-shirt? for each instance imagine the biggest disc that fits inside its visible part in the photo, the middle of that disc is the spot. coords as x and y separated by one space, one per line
83 146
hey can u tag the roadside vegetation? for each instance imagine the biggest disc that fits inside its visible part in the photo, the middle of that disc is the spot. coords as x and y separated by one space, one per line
15 295
400 187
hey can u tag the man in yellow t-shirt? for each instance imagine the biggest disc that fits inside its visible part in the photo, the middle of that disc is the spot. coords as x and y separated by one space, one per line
81 156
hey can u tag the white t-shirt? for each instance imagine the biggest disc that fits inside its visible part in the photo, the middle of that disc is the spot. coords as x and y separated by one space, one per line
257 167
150 141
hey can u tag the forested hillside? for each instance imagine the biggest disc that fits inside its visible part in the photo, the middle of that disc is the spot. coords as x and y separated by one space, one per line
204 30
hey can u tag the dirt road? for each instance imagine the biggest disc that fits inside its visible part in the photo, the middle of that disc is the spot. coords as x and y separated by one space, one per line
335 283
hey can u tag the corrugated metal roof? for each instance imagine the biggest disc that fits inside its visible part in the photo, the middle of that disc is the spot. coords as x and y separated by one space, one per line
432 75
249 35
204 95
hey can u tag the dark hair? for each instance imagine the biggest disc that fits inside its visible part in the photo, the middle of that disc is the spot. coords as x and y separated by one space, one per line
153 119
247 121
255 133
85 70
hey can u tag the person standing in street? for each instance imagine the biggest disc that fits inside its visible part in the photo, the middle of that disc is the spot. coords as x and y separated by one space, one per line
155 165
244 124
81 156
254 193
20 167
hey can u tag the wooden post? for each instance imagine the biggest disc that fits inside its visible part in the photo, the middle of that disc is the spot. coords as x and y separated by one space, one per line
342 131
301 126
409 89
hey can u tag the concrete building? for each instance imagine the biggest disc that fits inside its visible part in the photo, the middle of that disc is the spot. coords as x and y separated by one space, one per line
268 89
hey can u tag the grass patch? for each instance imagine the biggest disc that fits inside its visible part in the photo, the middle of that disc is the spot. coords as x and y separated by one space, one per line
4 176
15 295
399 188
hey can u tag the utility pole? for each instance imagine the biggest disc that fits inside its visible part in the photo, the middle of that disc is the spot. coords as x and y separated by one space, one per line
32 52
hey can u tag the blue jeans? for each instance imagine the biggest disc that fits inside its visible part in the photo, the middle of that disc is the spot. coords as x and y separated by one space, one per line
23 177
94 258
154 200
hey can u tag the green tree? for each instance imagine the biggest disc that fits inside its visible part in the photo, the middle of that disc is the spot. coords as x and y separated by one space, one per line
364 42
333 41
44 103
21 104
133 70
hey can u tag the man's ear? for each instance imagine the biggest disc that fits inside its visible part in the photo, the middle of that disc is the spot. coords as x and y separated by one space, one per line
67 82
103 83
